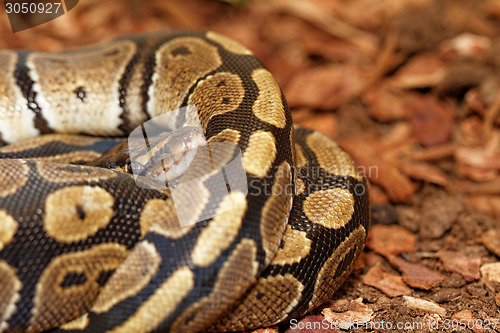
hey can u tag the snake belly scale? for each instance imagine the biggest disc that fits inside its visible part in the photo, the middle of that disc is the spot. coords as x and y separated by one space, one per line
83 248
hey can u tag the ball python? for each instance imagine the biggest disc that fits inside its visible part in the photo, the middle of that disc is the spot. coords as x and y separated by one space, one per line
84 248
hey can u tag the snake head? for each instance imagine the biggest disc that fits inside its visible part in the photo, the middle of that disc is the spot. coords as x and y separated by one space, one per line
168 155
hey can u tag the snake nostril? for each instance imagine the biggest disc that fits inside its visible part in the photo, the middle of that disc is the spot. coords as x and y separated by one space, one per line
81 94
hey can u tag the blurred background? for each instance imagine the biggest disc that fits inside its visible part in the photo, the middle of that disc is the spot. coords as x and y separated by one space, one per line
410 88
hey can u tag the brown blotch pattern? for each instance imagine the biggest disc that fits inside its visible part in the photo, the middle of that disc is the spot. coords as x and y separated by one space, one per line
8 228
235 276
217 94
179 65
9 293
260 153
221 231
227 135
133 108
267 303
55 304
79 323
228 43
58 76
16 120
276 210
331 157
332 208
325 285
162 216
161 304
132 275
296 246
60 173
13 176
268 106
75 213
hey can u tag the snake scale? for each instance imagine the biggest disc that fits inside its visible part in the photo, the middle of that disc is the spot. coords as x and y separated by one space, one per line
84 248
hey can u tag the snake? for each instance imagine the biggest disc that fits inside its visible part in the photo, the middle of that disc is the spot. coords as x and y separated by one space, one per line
95 238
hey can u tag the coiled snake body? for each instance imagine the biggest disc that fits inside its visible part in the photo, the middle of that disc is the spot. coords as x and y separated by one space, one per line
84 248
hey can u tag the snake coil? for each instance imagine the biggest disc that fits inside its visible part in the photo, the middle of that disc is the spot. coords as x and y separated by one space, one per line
84 248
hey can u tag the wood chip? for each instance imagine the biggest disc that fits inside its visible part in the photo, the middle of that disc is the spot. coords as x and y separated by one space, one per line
377 195
471 132
488 204
325 123
421 71
371 258
311 324
390 284
460 76
434 152
491 239
317 16
471 187
423 171
417 276
398 186
477 162
466 319
358 313
466 45
324 87
459 263
423 305
432 121
438 213
386 104
491 275
390 240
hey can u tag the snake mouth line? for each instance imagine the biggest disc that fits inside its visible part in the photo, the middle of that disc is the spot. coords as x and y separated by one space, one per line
170 157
